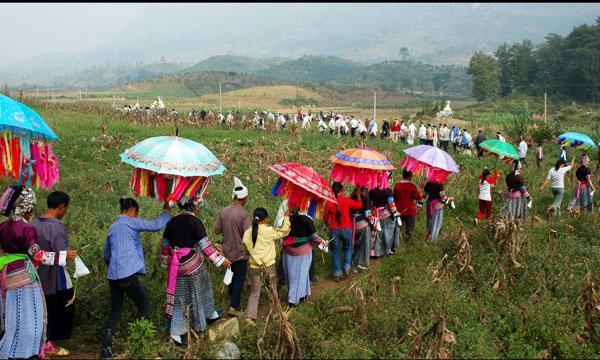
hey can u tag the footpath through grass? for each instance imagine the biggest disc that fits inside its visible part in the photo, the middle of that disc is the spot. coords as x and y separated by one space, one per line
534 312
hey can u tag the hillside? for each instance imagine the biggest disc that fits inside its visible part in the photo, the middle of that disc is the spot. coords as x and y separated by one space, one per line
264 97
239 64
312 69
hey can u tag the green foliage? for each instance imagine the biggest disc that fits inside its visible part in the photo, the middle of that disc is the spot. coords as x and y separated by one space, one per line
517 120
485 72
541 132
560 66
141 342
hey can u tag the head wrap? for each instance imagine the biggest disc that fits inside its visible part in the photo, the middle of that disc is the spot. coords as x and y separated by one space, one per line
584 160
8 199
190 204
25 203
239 190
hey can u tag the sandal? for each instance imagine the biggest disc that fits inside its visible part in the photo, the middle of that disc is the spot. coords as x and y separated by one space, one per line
60 351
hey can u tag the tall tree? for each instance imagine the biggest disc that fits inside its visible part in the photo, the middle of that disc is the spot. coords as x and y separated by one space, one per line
503 54
485 72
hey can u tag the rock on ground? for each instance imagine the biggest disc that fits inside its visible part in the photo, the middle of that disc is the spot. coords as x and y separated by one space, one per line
227 350
224 329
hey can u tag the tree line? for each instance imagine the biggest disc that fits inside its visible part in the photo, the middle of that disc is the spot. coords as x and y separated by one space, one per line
567 67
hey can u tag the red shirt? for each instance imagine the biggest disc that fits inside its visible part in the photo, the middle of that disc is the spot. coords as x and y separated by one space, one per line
405 194
396 126
344 205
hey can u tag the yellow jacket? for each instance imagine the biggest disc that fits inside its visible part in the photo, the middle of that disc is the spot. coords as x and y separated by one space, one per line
264 249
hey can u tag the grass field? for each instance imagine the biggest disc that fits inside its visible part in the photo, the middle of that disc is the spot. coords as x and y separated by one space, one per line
535 312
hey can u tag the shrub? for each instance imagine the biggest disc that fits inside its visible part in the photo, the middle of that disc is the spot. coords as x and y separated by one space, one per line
141 343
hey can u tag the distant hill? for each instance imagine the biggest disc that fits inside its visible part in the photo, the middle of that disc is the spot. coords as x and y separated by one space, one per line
313 71
239 64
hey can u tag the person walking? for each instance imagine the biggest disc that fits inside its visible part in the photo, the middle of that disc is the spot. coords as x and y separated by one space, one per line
523 151
539 155
444 137
260 244
405 195
337 218
232 222
422 134
22 301
515 204
124 256
478 140
485 195
361 231
395 131
583 192
387 236
188 281
556 177
436 199
55 279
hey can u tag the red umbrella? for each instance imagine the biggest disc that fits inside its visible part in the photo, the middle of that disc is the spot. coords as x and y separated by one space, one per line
302 186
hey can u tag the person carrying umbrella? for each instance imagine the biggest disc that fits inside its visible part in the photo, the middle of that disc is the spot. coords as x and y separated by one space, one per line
556 176
435 200
183 248
337 218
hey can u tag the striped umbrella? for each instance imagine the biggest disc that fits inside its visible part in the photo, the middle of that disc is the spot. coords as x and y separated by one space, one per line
302 186
435 163
363 167
576 140
170 167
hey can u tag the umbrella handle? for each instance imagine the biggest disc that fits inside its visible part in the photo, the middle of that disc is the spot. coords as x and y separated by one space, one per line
176 131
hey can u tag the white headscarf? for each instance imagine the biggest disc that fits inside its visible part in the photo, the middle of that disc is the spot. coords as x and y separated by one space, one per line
239 190
25 203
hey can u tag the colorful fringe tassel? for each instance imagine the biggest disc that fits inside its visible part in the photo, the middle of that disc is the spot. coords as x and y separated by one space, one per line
28 162
169 188
298 197
369 178
432 173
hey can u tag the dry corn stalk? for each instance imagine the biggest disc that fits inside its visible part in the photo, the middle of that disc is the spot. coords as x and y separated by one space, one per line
394 282
509 242
434 340
360 311
439 271
464 254
589 298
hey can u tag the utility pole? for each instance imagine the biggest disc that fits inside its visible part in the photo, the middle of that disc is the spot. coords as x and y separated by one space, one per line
297 95
37 93
220 100
79 94
374 105
545 98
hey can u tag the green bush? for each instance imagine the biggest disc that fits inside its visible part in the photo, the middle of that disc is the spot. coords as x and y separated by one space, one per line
141 342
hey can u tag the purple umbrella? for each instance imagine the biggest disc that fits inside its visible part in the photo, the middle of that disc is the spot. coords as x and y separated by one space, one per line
436 162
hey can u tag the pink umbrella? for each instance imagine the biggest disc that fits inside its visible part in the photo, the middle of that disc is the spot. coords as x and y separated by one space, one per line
436 163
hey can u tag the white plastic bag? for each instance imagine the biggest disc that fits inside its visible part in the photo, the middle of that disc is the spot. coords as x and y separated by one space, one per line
228 276
80 268
279 218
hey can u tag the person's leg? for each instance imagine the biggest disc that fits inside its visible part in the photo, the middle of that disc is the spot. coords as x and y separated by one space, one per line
236 287
334 248
116 308
481 210
488 210
311 270
558 196
252 308
135 291
410 226
437 224
347 246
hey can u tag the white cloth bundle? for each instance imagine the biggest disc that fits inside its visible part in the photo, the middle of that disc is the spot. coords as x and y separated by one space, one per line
80 268
279 218
228 276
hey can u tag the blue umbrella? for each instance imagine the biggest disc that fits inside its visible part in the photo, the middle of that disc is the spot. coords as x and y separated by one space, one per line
576 140
18 118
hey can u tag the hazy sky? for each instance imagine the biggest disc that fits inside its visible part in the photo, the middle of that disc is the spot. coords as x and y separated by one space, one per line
33 29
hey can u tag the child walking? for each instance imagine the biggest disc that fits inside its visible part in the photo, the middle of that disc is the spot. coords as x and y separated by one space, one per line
485 194
260 243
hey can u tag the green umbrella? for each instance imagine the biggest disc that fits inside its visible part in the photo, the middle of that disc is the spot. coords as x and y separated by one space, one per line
500 149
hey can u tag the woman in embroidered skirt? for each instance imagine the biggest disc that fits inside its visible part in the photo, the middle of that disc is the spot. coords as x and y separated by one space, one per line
362 231
184 242
22 302
436 199
387 239
582 197
515 204
297 254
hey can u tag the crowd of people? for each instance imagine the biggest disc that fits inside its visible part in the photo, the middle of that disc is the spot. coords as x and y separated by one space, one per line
365 224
